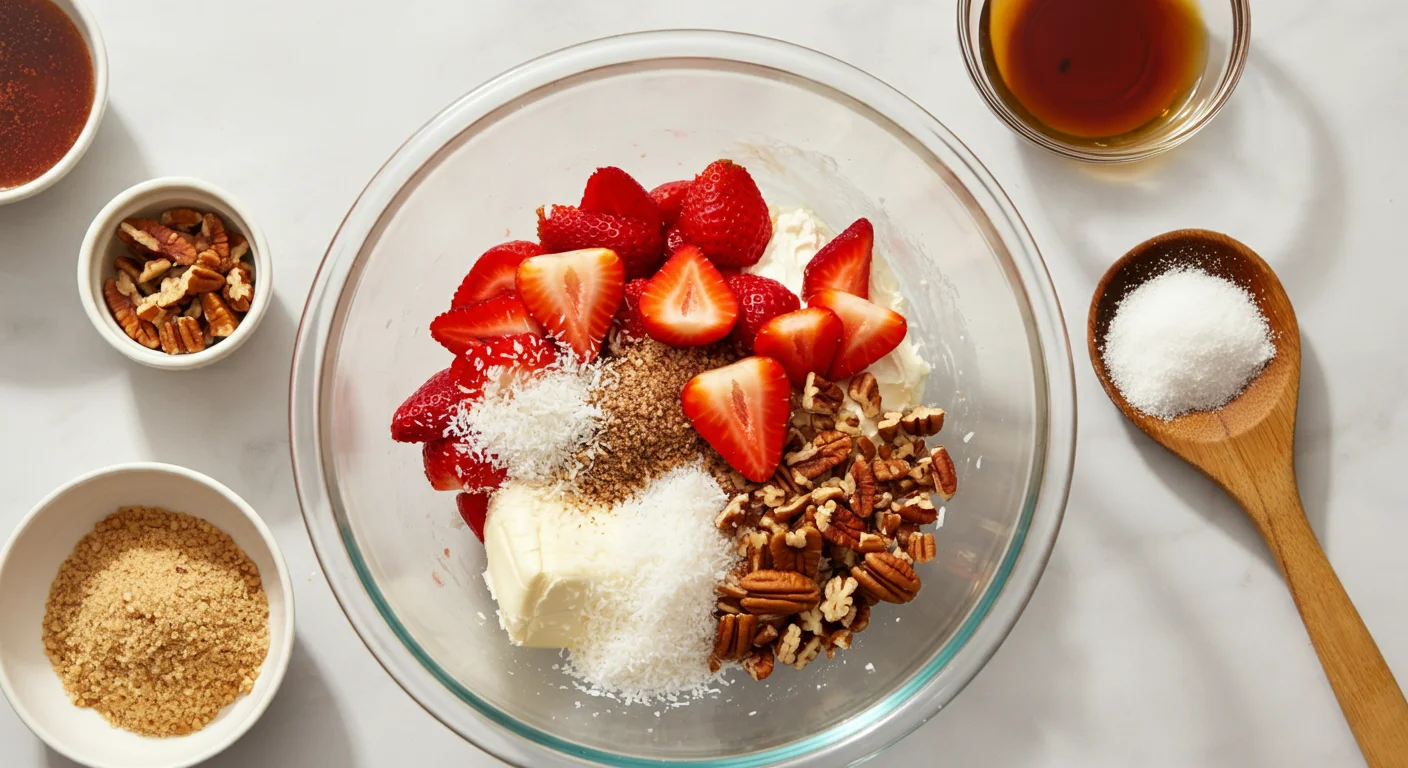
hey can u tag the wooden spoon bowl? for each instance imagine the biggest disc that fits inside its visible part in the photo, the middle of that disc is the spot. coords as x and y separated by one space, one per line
1247 448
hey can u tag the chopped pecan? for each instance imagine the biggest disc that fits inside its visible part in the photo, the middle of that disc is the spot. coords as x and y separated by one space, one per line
208 259
889 426
858 618
195 311
904 532
734 638
821 396
807 652
798 550
754 548
239 288
794 505
944 473
158 240
125 313
153 269
170 339
921 547
760 663
887 578
192 337
239 248
844 528
923 421
826 493
183 219
765 634
127 288
866 392
732 514
863 498
848 422
831 450
866 448
128 267
222 321
778 593
788 644
772 496
889 523
810 620
916 509
886 470
841 639
212 231
838 598
870 542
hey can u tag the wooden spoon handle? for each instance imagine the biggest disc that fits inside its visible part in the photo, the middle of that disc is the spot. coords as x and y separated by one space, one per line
1370 697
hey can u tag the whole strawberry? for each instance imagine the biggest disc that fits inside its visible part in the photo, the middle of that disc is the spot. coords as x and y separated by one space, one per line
725 215
760 299
563 228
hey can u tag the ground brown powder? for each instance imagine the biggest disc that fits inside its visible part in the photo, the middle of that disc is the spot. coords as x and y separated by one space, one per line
157 620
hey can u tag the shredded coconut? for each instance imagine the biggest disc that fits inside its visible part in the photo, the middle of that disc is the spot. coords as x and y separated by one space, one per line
650 630
1186 341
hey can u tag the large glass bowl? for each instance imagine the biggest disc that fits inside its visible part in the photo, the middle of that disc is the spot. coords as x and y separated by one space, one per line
812 131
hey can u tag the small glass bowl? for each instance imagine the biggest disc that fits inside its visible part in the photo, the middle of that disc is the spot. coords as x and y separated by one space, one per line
1229 35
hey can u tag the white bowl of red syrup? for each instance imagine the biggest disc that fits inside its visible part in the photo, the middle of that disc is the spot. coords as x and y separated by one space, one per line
53 91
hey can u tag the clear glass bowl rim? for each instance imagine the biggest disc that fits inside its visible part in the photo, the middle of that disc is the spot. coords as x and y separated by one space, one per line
1237 61
892 716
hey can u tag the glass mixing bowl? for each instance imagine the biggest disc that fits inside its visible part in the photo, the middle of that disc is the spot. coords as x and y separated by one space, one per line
812 131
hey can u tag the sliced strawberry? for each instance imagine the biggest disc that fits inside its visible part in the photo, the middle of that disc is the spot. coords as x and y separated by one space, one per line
629 315
449 466
742 411
492 274
803 341
574 295
502 361
868 331
674 240
568 228
612 190
668 197
760 299
843 263
474 510
505 315
427 412
687 303
725 215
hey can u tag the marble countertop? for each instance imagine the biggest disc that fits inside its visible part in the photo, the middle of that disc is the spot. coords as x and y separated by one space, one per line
1161 635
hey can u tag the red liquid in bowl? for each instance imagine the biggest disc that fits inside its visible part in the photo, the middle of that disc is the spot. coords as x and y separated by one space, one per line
46 88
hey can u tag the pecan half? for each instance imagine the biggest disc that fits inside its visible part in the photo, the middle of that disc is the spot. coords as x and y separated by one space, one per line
838 598
888 469
212 231
155 239
125 313
923 421
832 449
778 593
944 473
863 499
734 638
821 396
760 663
796 504
843 528
921 547
870 542
798 550
153 269
192 338
866 392
788 644
886 578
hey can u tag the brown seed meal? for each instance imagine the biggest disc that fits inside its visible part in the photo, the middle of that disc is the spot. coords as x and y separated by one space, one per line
157 620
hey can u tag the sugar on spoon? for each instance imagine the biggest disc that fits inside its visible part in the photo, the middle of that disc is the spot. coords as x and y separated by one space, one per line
1246 447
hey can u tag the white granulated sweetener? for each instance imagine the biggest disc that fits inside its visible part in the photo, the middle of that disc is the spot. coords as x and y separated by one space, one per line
1185 341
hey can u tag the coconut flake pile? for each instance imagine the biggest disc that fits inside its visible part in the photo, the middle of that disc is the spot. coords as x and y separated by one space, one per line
650 630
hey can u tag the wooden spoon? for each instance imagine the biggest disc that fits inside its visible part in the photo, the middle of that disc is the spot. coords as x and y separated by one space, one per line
1247 448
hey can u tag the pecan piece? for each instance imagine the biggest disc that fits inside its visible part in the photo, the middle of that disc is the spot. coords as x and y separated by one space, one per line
831 450
127 288
944 473
778 593
821 396
765 635
128 267
889 523
786 512
208 259
921 547
923 421
798 550
807 652
889 426
886 578
125 313
731 515
838 598
870 542
788 644
212 231
858 618
239 287
843 528
886 470
222 321
841 639
239 248
155 239
760 664
754 548
866 392
153 269
734 638
866 448
916 509
170 340
863 498
183 219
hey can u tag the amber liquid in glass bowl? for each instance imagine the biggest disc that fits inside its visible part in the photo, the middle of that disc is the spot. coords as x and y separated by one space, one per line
1093 71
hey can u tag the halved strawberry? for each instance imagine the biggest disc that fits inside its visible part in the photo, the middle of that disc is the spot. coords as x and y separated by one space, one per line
668 197
725 215
843 263
687 303
492 274
628 317
574 295
502 361
612 190
450 467
868 331
474 510
760 299
742 411
568 228
427 412
505 315
803 341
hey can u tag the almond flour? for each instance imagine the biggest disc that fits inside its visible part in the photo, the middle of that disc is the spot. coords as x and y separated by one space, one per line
157 620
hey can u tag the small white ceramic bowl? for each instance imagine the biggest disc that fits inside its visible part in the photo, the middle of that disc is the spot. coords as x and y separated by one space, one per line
28 564
101 248
88 28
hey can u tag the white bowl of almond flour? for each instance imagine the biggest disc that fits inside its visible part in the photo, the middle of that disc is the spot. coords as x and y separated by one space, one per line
148 618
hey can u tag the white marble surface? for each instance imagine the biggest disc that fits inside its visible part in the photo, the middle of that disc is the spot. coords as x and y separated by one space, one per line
1161 634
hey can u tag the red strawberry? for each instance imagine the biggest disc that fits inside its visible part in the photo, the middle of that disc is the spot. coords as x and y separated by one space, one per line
803 341
474 509
502 361
674 240
668 197
612 190
742 411
426 413
637 243
869 331
505 315
450 467
575 295
493 273
725 215
843 263
687 303
629 315
760 299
